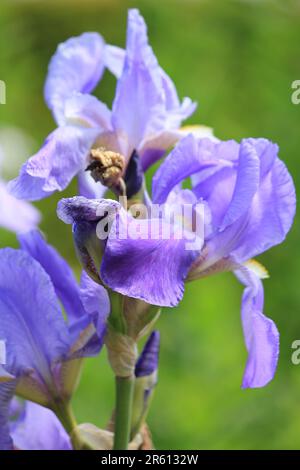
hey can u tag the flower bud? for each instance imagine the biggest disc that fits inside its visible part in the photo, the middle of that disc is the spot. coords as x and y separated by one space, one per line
146 380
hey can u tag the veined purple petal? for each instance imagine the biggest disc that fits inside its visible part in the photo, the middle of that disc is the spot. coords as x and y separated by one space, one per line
270 216
16 215
216 188
31 320
148 360
135 254
80 209
261 334
189 156
79 302
138 107
55 164
141 261
76 66
85 214
247 182
37 428
62 277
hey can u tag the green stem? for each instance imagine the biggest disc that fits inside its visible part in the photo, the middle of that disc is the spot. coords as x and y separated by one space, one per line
66 416
124 398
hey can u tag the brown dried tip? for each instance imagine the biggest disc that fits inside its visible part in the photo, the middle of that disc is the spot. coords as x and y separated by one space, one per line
106 166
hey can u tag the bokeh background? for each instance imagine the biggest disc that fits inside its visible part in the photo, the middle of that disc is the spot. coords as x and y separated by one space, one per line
238 60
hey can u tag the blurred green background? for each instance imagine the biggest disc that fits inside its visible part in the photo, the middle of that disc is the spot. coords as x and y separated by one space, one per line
238 60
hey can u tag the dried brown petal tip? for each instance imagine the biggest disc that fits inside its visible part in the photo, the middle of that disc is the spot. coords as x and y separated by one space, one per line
106 166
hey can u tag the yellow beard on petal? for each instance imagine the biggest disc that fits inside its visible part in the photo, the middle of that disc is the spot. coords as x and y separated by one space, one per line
257 268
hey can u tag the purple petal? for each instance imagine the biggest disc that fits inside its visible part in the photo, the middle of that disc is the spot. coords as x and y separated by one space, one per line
31 320
74 299
96 301
76 66
148 360
85 214
88 111
138 108
39 429
134 261
61 275
140 262
217 190
270 216
189 156
52 168
88 187
16 215
261 334
247 181
114 59
80 209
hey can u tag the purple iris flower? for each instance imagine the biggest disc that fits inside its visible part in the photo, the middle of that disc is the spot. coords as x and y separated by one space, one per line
249 204
34 427
147 363
41 346
145 117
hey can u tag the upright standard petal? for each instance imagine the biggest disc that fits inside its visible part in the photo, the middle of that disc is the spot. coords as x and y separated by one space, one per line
247 182
37 428
188 157
138 107
52 168
76 66
16 215
269 217
261 334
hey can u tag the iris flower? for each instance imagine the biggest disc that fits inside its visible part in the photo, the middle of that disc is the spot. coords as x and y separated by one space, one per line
145 117
43 349
249 201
